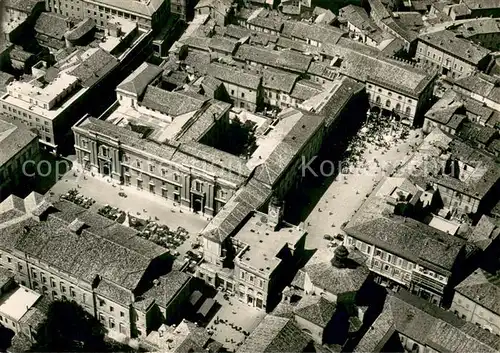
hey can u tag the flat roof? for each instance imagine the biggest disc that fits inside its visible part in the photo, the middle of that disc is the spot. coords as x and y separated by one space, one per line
17 302
264 243
126 27
444 225
45 113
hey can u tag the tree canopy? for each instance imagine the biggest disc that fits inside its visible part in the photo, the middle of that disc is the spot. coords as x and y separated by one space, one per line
69 328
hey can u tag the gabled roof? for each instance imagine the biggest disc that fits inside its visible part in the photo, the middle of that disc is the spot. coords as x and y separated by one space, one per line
280 158
138 81
411 240
13 138
94 64
275 334
249 198
25 6
426 324
279 80
103 248
376 224
163 291
171 103
482 288
234 75
51 25
459 47
317 32
316 310
287 60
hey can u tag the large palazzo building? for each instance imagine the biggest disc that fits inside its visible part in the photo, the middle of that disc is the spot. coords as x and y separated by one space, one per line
66 252
160 142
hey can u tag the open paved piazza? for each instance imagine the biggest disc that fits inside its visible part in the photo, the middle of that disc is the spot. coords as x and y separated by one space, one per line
347 191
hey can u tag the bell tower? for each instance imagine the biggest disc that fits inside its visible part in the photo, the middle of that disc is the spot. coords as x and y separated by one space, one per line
275 212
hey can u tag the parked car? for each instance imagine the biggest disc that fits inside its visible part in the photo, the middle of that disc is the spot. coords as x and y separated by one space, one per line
328 237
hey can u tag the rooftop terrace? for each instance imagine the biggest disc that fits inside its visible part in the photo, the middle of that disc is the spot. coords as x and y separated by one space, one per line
263 243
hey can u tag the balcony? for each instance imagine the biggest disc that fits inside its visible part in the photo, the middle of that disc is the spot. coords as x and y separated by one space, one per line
427 282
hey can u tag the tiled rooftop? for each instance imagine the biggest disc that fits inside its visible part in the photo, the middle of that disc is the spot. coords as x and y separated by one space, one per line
483 288
359 18
14 136
275 334
93 64
250 197
137 82
51 25
162 291
480 26
334 280
482 4
80 29
320 33
389 73
315 309
25 6
280 147
170 103
287 60
278 80
428 325
375 223
234 75
222 44
481 84
103 247
235 31
305 89
110 290
274 23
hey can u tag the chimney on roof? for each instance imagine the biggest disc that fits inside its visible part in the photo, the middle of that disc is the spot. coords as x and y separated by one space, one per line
76 226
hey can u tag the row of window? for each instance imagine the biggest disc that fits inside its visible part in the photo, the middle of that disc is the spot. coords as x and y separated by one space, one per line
464 317
43 278
390 93
19 112
10 169
250 278
394 272
2 319
111 323
102 303
385 256
388 105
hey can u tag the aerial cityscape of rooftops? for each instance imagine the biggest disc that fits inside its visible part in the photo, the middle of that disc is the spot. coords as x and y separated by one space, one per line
250 176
